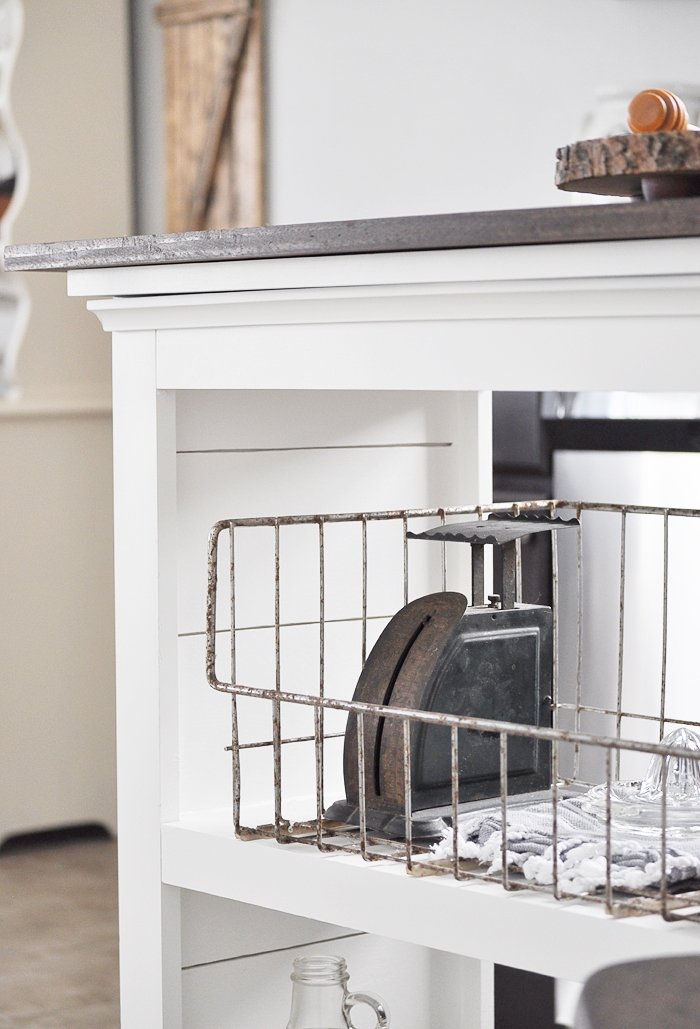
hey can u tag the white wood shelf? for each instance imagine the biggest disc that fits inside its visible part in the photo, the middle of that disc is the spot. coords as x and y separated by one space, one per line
569 939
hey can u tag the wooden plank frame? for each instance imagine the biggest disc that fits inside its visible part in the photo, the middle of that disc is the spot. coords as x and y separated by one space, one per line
214 113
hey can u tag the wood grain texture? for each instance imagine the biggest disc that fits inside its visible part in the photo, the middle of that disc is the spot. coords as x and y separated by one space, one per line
614 166
214 173
178 12
663 219
214 113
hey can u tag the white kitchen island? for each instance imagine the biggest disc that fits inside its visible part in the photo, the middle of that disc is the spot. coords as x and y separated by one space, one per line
323 369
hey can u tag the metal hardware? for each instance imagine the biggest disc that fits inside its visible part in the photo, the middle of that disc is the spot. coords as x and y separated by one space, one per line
569 703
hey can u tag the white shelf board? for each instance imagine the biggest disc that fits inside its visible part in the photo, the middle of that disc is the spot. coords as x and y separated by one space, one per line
567 939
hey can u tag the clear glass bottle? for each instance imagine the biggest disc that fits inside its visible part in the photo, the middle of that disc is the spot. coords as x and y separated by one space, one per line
320 998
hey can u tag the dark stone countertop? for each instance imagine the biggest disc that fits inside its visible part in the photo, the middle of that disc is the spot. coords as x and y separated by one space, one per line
577 224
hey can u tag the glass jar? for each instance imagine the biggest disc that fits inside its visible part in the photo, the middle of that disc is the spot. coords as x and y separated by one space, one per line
320 998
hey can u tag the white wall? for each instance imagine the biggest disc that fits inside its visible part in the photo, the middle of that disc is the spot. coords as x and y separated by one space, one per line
656 479
390 107
420 106
71 103
70 97
56 624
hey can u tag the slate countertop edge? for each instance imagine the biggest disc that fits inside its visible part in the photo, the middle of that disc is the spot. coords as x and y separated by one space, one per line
661 219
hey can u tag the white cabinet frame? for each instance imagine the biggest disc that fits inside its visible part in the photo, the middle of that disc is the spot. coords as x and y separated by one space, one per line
587 316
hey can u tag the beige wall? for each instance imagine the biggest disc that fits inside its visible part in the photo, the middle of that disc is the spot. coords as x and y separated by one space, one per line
71 104
56 640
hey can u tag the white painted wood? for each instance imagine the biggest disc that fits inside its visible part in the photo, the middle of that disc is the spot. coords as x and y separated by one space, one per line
532 931
634 353
309 385
331 471
463 301
323 472
549 261
321 475
462 991
256 991
486 995
215 929
144 479
171 943
279 419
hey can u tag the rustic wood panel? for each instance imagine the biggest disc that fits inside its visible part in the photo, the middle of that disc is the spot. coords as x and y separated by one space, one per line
177 12
214 113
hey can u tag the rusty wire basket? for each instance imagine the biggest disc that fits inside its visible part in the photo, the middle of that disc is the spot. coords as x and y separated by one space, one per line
606 643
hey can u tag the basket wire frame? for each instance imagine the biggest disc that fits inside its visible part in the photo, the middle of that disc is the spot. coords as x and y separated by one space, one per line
418 859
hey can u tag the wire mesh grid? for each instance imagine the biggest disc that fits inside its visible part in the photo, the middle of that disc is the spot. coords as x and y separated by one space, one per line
579 758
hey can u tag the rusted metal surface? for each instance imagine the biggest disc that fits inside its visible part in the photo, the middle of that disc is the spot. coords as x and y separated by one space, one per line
454 761
664 638
401 720
318 755
459 721
318 711
404 521
621 633
292 739
276 706
235 748
510 563
579 636
408 813
503 740
478 587
664 872
492 531
364 591
401 662
555 630
555 822
443 555
361 773
608 831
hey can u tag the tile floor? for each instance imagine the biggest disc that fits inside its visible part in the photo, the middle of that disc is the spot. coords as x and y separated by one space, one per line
58 937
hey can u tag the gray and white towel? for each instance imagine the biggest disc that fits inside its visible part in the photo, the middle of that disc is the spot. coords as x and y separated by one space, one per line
636 857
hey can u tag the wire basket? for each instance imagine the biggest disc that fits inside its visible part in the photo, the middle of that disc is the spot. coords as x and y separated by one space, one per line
302 598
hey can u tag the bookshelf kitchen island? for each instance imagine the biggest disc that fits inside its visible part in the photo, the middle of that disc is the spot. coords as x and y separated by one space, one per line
330 368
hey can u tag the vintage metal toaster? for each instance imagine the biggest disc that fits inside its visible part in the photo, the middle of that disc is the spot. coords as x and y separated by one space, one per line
439 654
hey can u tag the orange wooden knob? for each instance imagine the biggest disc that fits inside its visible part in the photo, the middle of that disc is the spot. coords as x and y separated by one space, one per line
657 110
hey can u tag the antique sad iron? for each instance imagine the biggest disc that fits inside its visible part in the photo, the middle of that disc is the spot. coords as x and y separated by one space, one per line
438 654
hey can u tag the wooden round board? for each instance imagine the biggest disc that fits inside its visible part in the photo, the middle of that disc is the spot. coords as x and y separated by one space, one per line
616 165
